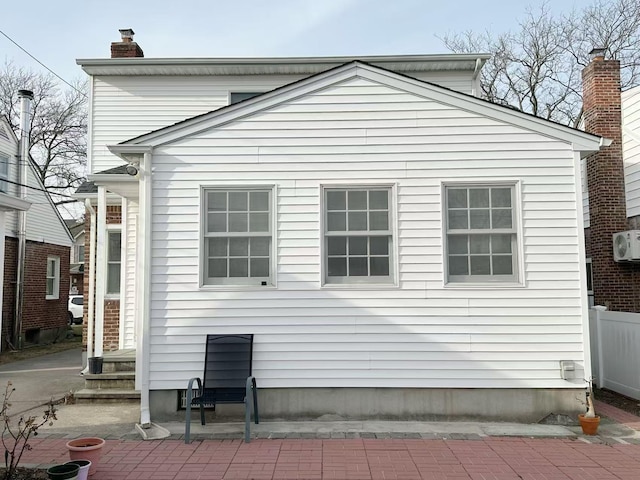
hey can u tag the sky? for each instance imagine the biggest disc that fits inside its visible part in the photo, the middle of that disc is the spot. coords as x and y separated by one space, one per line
58 32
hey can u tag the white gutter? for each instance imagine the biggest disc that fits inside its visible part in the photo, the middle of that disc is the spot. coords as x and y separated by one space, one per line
92 276
143 280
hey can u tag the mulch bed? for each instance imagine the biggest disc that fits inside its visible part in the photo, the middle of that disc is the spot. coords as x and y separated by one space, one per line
26 474
627 404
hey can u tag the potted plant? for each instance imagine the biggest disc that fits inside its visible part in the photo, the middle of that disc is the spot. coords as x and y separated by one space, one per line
87 448
589 421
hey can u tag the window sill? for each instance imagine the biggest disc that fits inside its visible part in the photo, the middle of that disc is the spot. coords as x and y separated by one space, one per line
360 286
484 285
51 297
236 288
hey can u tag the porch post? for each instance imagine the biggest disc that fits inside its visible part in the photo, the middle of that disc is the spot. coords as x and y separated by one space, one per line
100 270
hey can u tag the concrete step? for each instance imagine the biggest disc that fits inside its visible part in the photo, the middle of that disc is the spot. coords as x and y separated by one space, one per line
106 395
114 363
115 380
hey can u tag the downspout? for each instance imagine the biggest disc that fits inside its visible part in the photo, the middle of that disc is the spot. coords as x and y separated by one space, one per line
92 279
26 96
144 283
474 77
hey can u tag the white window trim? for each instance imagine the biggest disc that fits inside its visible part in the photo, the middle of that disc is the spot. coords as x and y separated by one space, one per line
113 227
56 278
272 281
393 278
4 178
519 281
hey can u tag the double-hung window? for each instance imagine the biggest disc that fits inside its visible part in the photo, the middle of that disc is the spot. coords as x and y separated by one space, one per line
237 236
481 234
114 261
358 235
4 173
53 278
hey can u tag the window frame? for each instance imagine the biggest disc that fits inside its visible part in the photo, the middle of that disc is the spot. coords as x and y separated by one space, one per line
235 283
4 175
111 230
589 282
79 256
243 92
487 281
386 281
55 294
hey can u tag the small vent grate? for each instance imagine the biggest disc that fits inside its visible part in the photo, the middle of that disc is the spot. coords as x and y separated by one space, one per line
182 400
3 133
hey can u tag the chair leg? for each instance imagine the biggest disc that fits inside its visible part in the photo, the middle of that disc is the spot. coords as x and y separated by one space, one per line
256 417
202 421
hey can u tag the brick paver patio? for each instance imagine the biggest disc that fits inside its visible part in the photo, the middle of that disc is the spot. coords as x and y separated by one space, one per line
489 458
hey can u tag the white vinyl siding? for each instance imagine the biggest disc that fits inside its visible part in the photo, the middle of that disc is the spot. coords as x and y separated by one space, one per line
631 148
418 334
127 106
129 313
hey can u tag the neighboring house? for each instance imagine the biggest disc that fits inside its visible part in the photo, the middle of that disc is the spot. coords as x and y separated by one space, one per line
397 246
76 262
611 189
46 272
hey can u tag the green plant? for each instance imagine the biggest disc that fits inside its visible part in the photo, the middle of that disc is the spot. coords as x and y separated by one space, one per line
15 438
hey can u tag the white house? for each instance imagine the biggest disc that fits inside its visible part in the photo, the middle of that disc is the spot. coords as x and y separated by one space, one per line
397 246
39 313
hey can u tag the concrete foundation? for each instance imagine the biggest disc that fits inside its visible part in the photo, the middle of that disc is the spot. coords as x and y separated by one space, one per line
429 404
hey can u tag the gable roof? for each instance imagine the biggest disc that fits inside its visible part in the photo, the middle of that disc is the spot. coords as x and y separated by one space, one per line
11 134
582 141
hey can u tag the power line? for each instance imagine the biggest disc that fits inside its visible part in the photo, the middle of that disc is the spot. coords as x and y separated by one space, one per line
36 188
54 73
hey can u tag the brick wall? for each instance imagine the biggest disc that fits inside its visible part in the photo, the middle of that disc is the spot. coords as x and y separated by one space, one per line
111 332
615 285
48 316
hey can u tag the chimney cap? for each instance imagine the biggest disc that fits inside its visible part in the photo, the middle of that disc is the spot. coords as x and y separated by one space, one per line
25 93
126 34
597 53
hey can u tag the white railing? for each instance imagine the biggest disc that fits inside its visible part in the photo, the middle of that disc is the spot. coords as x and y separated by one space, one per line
615 350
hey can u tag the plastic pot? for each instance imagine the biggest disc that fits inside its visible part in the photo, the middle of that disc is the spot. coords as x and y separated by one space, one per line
88 448
84 465
95 365
63 472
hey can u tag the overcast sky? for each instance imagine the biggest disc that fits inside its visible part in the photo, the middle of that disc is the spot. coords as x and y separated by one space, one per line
57 32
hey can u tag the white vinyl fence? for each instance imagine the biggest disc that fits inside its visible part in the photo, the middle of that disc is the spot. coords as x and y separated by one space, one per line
615 350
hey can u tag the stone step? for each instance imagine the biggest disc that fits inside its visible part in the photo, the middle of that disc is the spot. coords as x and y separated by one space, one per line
115 380
113 363
107 395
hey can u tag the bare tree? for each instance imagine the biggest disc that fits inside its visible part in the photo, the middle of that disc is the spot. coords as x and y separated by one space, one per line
538 67
58 126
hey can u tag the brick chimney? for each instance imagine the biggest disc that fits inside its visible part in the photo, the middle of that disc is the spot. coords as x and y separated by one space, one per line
126 47
614 284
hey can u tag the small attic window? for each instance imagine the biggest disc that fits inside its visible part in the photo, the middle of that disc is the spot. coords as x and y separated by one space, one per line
235 97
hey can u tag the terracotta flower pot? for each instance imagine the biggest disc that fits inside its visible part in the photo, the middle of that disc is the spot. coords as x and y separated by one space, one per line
88 448
589 425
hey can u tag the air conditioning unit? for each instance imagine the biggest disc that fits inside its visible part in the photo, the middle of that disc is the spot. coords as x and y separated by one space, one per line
626 246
